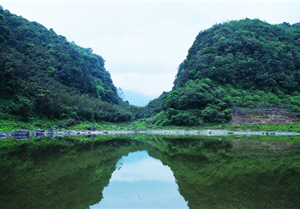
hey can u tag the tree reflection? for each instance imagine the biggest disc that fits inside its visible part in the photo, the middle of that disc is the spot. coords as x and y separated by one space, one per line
210 173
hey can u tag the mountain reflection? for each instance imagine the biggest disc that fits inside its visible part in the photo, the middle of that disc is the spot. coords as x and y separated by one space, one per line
139 166
153 171
142 182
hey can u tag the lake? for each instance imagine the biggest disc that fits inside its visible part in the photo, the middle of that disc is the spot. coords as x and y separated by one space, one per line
150 171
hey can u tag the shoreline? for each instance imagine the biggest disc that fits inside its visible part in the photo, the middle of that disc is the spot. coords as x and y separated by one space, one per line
205 132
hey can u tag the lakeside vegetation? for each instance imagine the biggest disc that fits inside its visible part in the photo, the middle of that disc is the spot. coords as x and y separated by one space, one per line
47 81
139 125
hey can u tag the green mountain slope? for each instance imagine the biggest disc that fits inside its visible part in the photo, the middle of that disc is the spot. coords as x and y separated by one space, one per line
42 74
246 63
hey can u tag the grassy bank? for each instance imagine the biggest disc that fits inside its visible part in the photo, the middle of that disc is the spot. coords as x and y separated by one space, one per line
144 124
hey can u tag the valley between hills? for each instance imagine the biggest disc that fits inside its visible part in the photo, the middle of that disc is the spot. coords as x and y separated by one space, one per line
242 73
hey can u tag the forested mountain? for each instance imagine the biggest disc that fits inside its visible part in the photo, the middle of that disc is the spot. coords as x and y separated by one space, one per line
43 74
246 63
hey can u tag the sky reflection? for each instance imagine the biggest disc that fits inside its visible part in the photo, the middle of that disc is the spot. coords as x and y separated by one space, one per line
141 181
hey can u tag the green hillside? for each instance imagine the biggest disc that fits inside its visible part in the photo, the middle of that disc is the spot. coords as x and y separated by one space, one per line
246 63
44 75
237 64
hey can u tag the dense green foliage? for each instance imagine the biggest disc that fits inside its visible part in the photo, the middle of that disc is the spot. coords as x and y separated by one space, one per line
248 54
246 63
42 74
199 101
154 106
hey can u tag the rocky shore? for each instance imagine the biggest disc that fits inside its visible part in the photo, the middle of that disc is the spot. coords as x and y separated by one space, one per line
24 134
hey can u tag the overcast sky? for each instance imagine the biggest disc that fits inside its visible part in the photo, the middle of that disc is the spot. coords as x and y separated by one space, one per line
143 43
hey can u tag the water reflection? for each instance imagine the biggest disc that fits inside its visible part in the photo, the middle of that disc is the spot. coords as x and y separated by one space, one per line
142 182
139 166
150 172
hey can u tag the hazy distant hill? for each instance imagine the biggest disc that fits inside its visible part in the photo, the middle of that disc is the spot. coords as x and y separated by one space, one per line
246 63
41 73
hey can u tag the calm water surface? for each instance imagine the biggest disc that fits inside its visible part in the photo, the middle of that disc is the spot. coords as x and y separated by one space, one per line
150 172
141 181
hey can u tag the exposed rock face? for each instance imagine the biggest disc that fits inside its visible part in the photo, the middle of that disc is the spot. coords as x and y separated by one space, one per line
20 133
265 147
92 136
263 115
2 134
39 132
49 132
20 138
92 128
63 125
